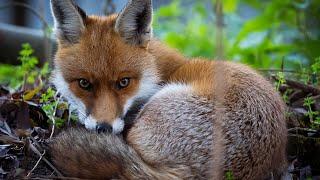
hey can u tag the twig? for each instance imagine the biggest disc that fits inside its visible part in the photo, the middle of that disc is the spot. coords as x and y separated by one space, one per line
35 150
69 115
19 100
9 139
35 142
53 127
36 165
52 118
302 137
304 87
296 129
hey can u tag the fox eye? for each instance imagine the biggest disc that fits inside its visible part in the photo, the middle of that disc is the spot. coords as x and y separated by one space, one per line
123 83
85 84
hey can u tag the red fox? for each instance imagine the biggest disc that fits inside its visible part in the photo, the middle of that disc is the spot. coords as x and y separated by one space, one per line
210 119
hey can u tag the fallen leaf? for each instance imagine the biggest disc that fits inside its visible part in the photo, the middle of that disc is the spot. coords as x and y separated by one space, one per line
28 95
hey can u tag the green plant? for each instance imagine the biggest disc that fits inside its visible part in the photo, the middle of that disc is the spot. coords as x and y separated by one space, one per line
313 115
50 105
315 71
315 68
28 63
285 95
25 73
280 80
229 175
192 37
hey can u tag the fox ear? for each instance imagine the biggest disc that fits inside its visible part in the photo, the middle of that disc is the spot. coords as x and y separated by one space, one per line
68 20
134 22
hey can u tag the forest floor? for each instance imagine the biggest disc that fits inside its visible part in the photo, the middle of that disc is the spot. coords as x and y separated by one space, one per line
26 128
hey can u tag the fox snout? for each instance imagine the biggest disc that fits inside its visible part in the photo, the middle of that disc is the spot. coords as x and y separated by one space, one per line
104 128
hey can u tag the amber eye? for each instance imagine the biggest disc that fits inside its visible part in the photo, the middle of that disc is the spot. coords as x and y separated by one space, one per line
85 84
123 83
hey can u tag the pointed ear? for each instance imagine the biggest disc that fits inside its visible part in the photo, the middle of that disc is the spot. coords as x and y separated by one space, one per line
69 20
134 22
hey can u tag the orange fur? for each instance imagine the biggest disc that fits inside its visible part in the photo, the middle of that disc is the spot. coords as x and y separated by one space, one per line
212 117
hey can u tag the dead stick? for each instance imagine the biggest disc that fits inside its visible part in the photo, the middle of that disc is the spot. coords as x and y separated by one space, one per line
11 140
35 150
36 165
296 129
52 118
304 87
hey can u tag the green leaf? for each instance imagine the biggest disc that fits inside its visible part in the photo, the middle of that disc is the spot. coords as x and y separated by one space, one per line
172 10
48 95
200 9
254 25
45 70
230 6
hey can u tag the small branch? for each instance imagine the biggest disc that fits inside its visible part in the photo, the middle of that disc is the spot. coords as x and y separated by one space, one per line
296 129
36 165
301 137
23 88
35 150
19 100
53 127
304 87
52 118
11 140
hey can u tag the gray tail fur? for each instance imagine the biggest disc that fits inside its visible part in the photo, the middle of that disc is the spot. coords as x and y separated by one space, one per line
80 153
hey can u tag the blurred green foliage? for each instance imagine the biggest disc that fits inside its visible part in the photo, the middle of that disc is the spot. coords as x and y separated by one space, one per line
313 115
26 73
263 34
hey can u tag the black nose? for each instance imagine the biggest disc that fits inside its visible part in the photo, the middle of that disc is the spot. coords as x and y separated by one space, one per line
104 128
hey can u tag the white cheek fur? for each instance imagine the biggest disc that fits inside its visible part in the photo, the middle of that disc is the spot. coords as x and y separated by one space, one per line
117 126
90 123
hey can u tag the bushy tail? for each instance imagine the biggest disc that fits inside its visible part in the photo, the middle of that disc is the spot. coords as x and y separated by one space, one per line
80 153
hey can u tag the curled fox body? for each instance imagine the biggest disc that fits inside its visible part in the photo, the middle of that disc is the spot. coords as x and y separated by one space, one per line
210 118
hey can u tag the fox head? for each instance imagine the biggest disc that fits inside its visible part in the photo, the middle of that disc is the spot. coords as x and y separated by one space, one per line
102 65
